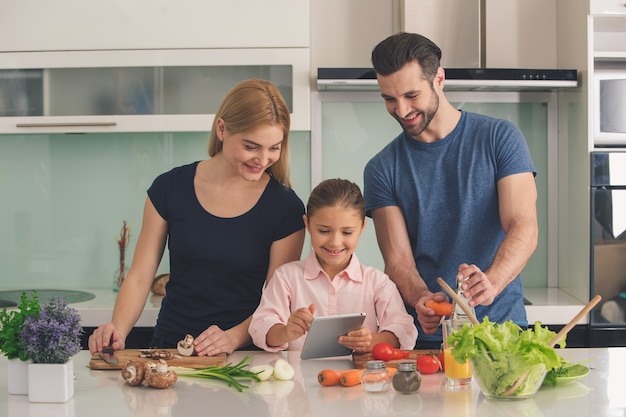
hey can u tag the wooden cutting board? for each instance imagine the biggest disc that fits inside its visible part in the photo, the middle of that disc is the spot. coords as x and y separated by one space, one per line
360 359
126 355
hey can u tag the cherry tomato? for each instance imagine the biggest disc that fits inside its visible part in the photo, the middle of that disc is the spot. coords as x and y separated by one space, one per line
400 354
382 352
428 364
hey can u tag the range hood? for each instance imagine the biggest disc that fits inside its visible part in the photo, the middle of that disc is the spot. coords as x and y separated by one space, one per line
458 79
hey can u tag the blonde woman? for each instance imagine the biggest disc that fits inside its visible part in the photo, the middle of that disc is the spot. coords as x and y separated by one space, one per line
228 221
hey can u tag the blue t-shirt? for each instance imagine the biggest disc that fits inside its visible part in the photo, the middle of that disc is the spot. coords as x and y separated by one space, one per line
447 192
218 265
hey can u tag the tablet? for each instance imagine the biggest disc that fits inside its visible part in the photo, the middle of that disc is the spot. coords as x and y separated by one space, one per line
321 339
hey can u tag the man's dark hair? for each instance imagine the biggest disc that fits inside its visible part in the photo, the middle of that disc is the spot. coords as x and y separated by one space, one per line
398 50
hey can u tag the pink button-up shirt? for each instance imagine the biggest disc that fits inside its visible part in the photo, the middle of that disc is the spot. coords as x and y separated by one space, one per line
356 289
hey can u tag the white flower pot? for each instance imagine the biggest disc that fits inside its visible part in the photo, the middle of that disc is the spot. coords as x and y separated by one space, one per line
17 376
51 382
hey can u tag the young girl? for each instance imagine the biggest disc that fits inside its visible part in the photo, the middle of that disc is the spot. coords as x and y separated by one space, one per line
331 281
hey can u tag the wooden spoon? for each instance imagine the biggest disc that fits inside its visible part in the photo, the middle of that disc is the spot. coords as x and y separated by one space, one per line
459 301
591 304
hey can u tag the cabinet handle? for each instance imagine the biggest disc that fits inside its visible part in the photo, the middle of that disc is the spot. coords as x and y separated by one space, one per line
84 124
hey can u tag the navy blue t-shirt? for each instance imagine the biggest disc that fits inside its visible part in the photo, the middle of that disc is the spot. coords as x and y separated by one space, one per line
447 191
217 265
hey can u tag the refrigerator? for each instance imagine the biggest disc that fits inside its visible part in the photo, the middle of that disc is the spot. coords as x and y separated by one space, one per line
607 322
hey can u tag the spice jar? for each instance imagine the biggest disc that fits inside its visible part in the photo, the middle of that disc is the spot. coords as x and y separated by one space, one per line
376 378
407 380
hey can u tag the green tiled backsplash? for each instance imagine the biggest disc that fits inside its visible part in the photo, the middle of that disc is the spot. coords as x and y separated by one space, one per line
64 197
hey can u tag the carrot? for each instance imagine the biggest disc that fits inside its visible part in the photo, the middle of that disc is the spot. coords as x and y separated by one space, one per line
351 377
442 308
328 377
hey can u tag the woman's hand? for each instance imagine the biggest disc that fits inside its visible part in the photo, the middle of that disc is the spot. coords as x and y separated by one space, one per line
213 341
105 335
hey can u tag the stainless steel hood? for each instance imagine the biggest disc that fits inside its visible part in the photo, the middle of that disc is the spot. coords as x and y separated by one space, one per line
458 79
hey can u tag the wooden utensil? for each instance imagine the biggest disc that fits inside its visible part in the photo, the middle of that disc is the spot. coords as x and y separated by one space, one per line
591 304
459 301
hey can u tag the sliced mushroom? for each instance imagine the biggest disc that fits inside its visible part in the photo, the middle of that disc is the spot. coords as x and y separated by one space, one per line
157 354
133 373
159 376
185 346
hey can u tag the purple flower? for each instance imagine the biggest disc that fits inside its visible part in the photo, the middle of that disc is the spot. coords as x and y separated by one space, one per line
53 336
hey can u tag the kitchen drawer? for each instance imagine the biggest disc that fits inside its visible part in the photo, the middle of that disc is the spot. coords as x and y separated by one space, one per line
607 7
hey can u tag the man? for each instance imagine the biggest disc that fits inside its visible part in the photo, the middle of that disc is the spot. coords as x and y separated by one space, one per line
452 196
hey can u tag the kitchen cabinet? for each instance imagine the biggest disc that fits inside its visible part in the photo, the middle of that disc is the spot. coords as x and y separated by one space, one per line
76 25
486 33
147 65
139 91
607 7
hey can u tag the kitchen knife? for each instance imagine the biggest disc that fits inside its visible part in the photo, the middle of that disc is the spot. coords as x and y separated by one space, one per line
108 355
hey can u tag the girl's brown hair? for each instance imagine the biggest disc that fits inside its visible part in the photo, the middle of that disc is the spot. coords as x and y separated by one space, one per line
251 104
336 192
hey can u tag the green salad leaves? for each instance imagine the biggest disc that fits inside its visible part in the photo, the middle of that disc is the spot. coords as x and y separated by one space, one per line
507 360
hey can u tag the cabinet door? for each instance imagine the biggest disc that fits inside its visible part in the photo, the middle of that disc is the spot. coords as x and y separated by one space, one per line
487 33
454 25
600 7
140 91
66 25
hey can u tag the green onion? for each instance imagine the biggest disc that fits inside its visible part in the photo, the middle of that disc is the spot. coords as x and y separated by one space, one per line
229 373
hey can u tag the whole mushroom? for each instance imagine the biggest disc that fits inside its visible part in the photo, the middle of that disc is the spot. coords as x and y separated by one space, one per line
133 373
185 346
158 376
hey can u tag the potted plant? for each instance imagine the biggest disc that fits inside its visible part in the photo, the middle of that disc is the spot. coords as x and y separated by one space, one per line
50 339
11 322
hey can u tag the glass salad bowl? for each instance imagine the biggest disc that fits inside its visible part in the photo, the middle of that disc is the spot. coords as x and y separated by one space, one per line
507 375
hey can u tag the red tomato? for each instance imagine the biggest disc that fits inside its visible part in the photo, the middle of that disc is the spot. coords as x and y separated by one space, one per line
400 354
428 364
382 352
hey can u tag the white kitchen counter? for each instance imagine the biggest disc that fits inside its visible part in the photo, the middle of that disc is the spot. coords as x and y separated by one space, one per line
549 306
552 306
104 394
99 309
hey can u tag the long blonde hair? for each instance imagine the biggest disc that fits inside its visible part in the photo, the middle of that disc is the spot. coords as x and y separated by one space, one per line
248 105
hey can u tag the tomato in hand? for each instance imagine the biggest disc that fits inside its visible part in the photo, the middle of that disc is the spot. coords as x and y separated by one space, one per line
382 352
428 364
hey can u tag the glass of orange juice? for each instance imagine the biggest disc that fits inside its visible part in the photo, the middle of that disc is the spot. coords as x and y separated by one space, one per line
458 375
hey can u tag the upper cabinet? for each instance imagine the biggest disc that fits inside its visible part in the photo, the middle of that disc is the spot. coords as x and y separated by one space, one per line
607 7
72 25
486 33
147 65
